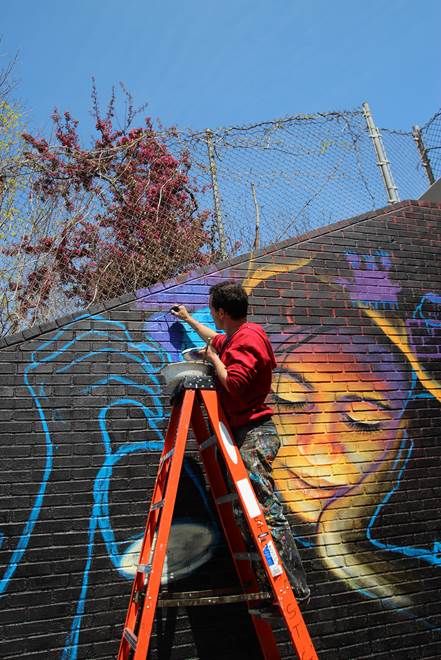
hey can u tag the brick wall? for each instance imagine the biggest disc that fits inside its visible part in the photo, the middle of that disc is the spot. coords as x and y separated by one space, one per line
353 312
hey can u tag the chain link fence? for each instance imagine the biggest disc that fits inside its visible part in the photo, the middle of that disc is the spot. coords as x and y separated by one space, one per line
197 197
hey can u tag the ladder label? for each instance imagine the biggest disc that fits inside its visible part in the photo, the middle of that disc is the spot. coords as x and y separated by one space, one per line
248 497
228 442
272 559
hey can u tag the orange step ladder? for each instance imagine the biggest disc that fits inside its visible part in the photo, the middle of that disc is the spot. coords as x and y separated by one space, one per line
196 394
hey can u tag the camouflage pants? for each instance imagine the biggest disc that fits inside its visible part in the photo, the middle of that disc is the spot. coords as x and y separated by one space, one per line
258 445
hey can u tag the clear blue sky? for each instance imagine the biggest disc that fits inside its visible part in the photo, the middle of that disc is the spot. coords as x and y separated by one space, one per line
207 63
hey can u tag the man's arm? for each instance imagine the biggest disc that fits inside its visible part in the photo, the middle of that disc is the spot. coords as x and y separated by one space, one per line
219 367
203 331
239 375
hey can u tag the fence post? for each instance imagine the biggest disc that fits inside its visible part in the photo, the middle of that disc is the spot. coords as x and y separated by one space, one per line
382 161
256 206
418 137
216 194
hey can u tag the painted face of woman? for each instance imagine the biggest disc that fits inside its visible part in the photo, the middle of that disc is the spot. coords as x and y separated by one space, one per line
338 412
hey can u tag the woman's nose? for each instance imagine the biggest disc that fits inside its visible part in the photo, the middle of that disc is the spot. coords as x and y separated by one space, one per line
320 443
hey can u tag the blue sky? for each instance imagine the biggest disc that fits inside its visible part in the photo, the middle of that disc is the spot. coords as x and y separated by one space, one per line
203 63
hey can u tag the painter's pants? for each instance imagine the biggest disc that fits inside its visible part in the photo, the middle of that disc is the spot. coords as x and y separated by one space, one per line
258 444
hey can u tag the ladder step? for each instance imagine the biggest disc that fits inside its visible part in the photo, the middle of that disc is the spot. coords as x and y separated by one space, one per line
208 443
210 597
158 505
231 497
131 638
165 458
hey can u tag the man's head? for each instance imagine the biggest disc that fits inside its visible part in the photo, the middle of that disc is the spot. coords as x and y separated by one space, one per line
228 301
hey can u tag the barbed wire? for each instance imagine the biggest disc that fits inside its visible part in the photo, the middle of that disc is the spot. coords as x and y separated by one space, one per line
249 186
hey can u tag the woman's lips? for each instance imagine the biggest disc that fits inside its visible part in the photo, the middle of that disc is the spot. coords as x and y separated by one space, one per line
320 488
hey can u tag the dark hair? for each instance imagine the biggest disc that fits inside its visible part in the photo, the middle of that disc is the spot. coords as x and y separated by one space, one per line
231 297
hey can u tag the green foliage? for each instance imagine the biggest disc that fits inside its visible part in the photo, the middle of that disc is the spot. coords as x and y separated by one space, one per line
11 163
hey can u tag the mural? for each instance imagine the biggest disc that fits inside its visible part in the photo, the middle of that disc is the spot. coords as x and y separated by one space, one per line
345 397
358 378
77 352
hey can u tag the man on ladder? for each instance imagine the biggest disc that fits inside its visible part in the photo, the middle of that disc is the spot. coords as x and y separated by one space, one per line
243 360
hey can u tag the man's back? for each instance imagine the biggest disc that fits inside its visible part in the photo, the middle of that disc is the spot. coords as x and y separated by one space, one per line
249 359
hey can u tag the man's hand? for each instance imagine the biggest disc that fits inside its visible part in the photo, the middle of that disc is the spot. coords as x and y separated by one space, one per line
181 312
208 353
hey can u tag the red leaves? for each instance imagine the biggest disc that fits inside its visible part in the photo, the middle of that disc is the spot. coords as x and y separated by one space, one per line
142 223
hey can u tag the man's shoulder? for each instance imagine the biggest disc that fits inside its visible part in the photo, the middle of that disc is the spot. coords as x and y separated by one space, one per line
254 330
218 340
253 335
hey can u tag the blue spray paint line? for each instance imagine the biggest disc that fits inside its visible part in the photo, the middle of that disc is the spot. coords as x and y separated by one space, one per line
35 511
433 299
429 556
100 516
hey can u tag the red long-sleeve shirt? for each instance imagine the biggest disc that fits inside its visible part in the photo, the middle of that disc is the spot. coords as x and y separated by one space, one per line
249 359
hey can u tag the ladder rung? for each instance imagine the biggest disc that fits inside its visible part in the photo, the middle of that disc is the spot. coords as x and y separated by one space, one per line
231 497
208 443
131 638
158 505
249 556
166 457
199 598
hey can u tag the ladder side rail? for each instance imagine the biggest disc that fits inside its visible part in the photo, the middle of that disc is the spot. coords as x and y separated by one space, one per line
219 488
154 582
160 484
233 535
258 527
150 527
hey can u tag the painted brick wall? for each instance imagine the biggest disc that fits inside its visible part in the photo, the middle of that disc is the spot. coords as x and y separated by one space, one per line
353 312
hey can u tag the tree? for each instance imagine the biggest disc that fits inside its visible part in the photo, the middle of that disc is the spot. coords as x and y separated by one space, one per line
124 214
12 188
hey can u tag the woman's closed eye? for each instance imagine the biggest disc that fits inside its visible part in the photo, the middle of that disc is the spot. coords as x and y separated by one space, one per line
361 425
366 416
297 404
289 391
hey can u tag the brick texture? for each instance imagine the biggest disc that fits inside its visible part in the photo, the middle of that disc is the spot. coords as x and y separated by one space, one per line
354 314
